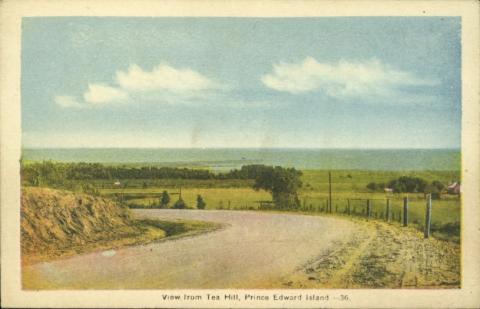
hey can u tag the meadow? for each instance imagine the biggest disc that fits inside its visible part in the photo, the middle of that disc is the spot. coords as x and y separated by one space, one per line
348 187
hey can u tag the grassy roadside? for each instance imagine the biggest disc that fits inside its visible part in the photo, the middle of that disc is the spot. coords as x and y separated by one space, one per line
141 231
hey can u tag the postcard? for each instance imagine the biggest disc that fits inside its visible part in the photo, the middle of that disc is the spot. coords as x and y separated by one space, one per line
249 154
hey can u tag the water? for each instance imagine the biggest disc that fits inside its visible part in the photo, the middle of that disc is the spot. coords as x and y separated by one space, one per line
225 159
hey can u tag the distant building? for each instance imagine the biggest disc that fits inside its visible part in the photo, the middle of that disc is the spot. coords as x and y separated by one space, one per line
388 190
116 183
454 188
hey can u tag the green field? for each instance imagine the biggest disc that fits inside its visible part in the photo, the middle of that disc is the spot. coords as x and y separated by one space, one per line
347 187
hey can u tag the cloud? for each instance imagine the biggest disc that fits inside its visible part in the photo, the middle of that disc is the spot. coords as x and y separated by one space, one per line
67 101
163 78
343 79
102 94
164 84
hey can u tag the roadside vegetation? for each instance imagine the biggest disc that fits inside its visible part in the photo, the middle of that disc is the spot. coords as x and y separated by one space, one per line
258 187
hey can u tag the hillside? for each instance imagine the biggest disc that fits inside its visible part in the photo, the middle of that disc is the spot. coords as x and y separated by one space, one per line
58 223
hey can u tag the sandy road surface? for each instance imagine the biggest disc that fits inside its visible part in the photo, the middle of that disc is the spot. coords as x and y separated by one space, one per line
254 250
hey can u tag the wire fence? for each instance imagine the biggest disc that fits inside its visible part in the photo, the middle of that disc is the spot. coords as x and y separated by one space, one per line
388 210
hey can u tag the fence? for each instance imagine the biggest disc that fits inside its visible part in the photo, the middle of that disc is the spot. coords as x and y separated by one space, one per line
391 210
388 210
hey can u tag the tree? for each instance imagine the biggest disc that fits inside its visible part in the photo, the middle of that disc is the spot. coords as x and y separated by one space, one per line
440 186
376 186
282 183
372 186
164 200
408 184
200 202
180 204
435 189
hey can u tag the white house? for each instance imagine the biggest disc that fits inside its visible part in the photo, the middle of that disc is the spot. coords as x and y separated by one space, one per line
454 188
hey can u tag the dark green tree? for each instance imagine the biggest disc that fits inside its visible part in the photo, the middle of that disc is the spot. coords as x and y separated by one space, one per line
435 189
164 200
372 186
200 202
180 204
440 186
282 183
408 184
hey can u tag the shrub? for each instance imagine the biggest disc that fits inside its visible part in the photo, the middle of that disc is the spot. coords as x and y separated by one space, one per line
164 200
372 186
180 204
200 202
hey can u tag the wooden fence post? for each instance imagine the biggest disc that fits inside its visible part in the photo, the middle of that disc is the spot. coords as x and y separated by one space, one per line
348 207
405 211
428 216
369 208
387 217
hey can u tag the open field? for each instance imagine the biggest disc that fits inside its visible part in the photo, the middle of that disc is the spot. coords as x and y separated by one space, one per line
142 186
347 187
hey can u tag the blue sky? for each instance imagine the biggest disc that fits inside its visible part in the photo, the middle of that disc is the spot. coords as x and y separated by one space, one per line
366 82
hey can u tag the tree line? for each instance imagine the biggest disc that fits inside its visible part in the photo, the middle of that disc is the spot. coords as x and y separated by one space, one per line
282 183
48 172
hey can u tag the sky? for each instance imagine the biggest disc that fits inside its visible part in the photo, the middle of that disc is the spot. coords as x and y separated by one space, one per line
338 82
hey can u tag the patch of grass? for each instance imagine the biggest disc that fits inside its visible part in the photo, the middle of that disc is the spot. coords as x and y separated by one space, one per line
215 198
178 227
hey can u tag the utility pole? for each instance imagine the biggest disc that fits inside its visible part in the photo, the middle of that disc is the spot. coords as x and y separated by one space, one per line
330 191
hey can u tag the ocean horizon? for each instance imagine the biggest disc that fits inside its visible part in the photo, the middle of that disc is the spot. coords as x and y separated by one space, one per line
229 158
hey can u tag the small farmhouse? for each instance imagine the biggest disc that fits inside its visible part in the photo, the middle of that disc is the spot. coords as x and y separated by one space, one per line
454 188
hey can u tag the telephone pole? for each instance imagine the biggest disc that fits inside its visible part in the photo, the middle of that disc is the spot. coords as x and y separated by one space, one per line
330 192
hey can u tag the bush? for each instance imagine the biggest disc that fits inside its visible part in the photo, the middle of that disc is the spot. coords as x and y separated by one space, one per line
407 184
376 186
200 202
372 186
180 204
164 200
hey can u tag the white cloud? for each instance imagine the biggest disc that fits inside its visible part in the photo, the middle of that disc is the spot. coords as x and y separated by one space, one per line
67 101
163 78
164 84
343 79
102 94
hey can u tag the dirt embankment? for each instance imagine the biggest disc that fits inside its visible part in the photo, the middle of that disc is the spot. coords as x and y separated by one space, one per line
57 223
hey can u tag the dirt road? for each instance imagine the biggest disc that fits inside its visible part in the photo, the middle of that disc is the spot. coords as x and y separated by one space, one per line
260 250
253 249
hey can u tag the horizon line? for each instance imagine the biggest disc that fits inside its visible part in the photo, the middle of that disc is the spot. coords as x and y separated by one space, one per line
249 148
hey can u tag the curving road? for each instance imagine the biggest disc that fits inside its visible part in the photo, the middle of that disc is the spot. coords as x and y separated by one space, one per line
254 250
